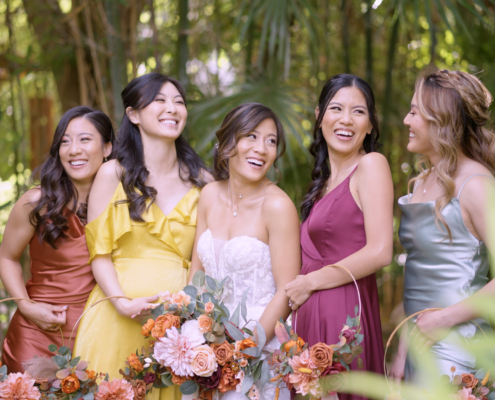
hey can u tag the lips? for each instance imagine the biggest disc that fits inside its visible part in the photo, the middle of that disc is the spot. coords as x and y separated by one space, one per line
168 121
344 133
255 161
78 163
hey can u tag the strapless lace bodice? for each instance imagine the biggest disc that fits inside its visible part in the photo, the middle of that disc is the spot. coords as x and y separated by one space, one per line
246 261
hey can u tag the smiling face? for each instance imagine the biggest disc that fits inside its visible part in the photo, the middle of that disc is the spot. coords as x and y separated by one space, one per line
419 137
82 150
256 152
346 121
165 116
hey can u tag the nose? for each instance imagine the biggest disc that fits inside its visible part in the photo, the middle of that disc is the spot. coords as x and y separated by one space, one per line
346 117
170 106
406 120
260 146
74 147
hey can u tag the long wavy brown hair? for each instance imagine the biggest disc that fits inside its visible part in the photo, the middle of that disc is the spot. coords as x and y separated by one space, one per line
56 189
456 106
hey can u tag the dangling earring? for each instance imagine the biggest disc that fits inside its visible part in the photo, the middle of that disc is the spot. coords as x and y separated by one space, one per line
105 159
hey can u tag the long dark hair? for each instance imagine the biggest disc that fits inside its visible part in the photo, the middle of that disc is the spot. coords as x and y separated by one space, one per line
138 94
238 123
319 149
57 190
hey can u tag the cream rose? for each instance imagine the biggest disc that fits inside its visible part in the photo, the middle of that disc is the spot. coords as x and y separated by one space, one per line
204 362
181 298
209 307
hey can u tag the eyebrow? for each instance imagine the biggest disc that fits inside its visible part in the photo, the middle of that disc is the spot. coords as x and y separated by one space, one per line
80 134
414 106
270 134
340 104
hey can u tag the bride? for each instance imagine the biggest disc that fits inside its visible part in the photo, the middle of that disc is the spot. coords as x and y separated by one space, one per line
248 228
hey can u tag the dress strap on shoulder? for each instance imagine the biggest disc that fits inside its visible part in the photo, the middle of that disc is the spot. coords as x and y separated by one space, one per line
468 178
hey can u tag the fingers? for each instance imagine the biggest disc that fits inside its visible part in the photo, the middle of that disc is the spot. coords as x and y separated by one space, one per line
152 299
59 309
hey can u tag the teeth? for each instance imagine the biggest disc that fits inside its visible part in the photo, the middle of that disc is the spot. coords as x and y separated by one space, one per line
344 133
256 162
169 122
411 135
75 163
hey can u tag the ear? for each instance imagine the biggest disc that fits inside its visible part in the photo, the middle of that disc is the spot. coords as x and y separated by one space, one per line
107 149
370 128
317 111
132 115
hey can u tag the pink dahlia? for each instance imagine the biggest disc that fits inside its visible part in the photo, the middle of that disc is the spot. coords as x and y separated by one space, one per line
118 389
176 352
19 386
304 378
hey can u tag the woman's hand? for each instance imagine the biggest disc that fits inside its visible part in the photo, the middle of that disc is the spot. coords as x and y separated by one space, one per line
298 291
45 316
141 306
398 368
431 327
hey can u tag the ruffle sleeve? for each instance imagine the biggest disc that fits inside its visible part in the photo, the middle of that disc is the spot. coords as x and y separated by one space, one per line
103 233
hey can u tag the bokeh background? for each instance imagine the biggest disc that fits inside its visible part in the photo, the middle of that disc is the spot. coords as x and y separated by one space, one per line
57 54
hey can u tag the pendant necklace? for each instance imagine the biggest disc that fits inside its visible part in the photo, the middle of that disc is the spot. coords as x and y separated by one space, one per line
426 187
241 195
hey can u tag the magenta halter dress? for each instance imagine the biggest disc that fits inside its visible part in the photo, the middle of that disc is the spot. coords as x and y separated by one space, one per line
333 231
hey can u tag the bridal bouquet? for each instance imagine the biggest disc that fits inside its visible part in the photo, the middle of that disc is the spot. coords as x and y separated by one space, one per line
472 387
317 369
196 344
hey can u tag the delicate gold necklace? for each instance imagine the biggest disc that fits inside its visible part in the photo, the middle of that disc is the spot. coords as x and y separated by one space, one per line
241 195
426 187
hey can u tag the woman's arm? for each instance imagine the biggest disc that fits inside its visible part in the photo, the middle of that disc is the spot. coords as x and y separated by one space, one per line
376 196
104 186
477 197
18 233
201 226
283 238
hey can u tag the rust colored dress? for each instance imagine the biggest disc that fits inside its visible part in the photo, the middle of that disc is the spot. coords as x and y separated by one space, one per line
59 277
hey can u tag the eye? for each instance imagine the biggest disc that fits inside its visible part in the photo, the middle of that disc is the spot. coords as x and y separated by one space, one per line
251 135
412 112
160 99
335 108
180 102
272 141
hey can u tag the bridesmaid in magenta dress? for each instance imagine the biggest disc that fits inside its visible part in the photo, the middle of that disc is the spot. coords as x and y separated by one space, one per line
347 220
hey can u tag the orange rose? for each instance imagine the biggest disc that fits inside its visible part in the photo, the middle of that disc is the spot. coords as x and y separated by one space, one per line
179 380
91 374
164 322
321 354
469 381
223 352
181 298
135 362
228 380
292 343
205 323
139 389
147 327
209 307
246 344
70 384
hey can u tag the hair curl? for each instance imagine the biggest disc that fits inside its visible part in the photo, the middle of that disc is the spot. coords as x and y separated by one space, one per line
138 94
56 188
319 150
240 121
456 106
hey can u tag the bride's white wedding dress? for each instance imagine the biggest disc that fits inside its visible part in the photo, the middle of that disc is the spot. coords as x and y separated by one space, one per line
246 261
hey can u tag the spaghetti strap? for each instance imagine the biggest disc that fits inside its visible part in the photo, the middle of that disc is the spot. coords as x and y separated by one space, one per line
468 178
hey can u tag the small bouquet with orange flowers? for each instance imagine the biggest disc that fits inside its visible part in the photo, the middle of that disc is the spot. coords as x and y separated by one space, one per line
319 369
477 386
197 344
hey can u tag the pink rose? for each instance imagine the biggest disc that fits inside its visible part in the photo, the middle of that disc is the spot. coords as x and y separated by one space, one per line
209 307
181 298
204 362
349 335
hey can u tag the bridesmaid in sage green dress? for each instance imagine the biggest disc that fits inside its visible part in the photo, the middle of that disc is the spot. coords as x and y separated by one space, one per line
443 227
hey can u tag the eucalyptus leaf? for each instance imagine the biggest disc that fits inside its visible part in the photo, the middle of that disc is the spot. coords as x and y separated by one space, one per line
88 396
226 310
265 375
246 384
60 361
52 348
261 336
63 350
191 291
188 387
75 361
243 304
208 298
220 285
233 331
158 311
198 279
252 351
212 285
236 315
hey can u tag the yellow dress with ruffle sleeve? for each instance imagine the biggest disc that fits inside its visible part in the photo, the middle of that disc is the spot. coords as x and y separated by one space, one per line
149 257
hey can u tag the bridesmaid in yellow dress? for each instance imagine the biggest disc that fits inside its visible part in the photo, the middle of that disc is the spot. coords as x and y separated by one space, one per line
142 221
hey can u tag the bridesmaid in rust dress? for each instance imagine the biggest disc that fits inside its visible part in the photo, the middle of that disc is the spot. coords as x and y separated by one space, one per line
50 218
347 220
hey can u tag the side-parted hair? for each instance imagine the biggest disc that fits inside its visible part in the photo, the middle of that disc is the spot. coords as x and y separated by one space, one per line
129 152
239 122
456 106
56 189
319 150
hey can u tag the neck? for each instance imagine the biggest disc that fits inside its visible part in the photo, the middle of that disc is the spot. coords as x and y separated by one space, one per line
339 161
82 189
241 185
160 155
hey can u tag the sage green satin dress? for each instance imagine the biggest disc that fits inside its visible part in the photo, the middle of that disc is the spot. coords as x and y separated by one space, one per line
440 273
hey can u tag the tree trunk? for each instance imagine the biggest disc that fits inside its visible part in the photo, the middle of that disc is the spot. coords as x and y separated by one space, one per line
182 46
369 43
388 85
345 36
